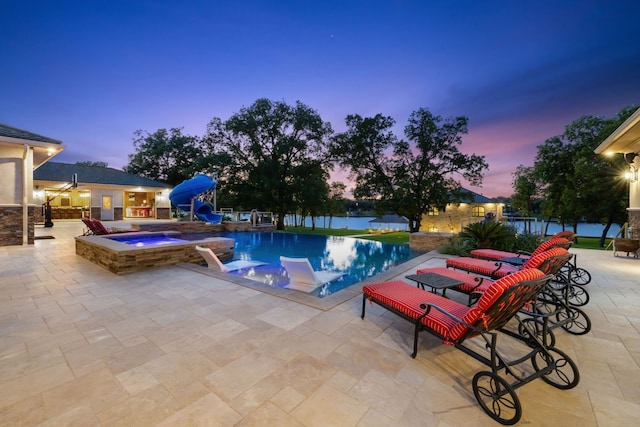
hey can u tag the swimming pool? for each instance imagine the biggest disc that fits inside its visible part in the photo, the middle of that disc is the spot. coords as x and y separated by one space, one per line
357 259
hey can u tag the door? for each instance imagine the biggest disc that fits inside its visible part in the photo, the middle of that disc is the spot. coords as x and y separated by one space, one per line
107 209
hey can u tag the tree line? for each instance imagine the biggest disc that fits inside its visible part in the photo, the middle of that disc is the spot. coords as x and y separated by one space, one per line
278 157
571 183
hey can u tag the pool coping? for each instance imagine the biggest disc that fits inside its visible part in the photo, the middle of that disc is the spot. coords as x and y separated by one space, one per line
326 303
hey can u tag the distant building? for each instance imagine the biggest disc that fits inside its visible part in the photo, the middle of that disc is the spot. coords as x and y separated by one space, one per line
31 180
102 193
469 208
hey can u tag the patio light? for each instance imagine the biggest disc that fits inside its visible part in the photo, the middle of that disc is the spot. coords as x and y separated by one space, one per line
632 173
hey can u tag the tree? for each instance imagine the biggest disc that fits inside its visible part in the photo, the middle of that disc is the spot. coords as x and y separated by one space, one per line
407 178
526 192
311 190
93 164
268 146
335 200
166 156
574 177
526 189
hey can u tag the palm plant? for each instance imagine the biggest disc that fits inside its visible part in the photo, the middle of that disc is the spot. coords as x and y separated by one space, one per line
484 234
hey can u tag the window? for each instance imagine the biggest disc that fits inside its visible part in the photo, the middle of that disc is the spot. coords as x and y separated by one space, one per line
433 211
477 211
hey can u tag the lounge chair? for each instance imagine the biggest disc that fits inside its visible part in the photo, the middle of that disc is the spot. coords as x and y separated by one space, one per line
473 284
561 297
214 262
302 277
497 269
90 227
513 257
96 227
454 323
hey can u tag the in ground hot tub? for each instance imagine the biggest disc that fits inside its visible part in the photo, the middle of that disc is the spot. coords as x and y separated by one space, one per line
129 252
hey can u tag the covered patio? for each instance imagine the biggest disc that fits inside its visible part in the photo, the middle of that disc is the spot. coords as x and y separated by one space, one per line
625 141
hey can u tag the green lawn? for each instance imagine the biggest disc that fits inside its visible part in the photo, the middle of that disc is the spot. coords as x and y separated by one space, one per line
396 238
402 237
590 243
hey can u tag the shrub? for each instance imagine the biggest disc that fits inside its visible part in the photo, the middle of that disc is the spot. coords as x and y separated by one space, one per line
514 241
484 234
459 247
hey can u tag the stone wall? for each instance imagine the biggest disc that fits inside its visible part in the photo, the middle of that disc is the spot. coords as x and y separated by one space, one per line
96 212
181 226
427 242
97 250
11 225
163 213
202 227
634 223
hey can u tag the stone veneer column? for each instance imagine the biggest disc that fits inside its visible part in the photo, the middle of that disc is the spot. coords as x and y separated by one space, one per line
96 212
163 213
11 225
634 222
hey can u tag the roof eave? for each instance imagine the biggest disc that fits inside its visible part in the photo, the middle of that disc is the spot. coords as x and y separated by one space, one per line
625 139
42 151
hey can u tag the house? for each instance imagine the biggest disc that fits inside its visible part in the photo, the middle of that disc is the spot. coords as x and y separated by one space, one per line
75 190
33 183
21 152
625 140
466 208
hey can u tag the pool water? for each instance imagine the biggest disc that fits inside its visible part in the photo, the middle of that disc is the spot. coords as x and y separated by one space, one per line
357 259
147 240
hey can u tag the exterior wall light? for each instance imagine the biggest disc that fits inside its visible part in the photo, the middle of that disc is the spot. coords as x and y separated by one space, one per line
632 174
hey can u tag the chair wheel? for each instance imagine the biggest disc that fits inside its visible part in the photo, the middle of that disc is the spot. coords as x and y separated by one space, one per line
578 296
574 320
497 398
580 276
564 375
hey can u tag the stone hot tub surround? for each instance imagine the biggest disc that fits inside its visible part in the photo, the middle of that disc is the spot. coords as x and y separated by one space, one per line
121 258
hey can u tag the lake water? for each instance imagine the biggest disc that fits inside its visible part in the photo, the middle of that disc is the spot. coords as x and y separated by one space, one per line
362 223
353 223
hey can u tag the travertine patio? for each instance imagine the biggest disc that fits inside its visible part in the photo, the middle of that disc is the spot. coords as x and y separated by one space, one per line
173 347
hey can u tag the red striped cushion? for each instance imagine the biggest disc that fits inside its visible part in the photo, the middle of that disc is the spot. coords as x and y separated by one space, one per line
570 235
407 299
491 254
552 243
480 266
536 260
498 287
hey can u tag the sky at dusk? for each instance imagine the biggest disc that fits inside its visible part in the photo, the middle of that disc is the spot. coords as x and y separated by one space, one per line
90 73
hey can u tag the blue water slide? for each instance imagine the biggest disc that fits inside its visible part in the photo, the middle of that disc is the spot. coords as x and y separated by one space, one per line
182 194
